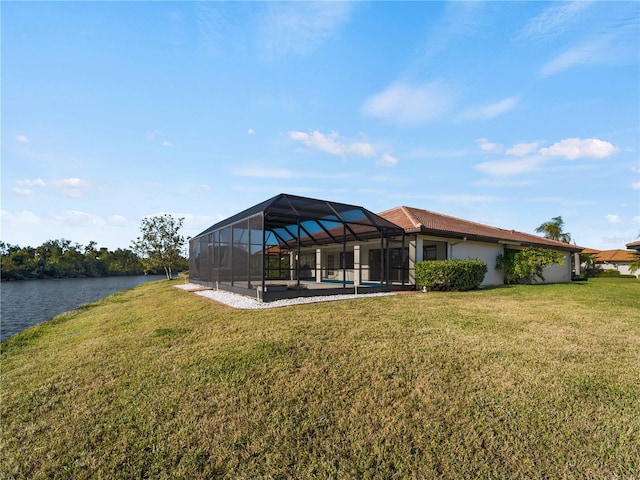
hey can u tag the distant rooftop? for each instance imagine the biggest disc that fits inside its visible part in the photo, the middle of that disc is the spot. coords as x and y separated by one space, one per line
633 245
612 256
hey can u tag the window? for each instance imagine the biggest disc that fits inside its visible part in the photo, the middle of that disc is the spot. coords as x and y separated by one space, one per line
430 253
434 250
331 265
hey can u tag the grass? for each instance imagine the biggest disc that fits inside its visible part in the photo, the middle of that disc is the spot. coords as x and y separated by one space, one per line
515 382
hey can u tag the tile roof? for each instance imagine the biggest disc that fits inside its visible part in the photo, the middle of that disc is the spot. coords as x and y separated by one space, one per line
614 256
425 221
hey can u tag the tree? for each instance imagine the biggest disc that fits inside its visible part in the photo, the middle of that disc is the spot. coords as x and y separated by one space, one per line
634 266
160 245
553 230
589 262
525 265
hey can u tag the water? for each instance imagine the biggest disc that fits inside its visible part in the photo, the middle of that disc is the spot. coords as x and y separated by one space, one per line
29 302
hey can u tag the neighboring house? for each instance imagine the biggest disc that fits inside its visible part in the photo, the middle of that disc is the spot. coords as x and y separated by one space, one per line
634 246
291 246
619 260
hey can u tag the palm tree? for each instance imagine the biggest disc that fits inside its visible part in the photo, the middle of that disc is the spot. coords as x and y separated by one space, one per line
634 266
553 230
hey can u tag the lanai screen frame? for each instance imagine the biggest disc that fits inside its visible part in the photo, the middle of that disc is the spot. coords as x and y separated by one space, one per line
289 222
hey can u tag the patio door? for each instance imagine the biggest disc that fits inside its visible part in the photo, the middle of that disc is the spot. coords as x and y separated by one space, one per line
397 257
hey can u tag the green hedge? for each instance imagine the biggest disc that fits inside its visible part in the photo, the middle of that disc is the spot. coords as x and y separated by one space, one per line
613 274
450 274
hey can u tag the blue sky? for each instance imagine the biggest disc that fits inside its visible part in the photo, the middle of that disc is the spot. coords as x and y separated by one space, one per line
503 113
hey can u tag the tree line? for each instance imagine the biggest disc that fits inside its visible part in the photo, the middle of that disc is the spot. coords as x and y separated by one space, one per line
157 251
62 259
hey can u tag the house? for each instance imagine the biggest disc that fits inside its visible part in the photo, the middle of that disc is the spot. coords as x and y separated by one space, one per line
634 246
619 260
290 246
441 237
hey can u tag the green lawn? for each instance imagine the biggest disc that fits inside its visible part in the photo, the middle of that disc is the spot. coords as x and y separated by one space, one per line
515 382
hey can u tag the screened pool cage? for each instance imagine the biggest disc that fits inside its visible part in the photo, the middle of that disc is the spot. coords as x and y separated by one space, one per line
291 246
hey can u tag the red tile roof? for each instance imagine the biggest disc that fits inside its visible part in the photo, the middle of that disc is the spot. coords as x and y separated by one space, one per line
427 222
612 256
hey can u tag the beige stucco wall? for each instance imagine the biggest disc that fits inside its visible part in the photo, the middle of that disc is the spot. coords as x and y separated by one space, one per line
456 249
486 252
558 273
624 269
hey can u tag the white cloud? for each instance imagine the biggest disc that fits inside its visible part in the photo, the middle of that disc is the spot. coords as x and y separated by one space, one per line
508 168
72 187
487 112
76 218
583 54
296 28
251 131
24 216
487 146
635 185
574 148
158 135
408 105
554 20
332 144
529 160
387 160
613 218
199 222
20 189
71 183
520 149
151 136
636 219
22 139
31 182
459 20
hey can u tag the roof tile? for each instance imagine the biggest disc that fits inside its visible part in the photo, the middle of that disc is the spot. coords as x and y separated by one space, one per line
427 221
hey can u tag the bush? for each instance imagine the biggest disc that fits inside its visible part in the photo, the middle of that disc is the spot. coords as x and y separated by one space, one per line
450 274
527 265
613 274
609 273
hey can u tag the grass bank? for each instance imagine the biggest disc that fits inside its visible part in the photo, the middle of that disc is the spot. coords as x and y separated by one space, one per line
517 382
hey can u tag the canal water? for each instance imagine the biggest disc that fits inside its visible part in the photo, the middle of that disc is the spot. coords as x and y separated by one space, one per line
26 303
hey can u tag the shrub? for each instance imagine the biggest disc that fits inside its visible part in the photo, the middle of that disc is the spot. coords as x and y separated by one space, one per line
609 273
526 265
450 274
613 274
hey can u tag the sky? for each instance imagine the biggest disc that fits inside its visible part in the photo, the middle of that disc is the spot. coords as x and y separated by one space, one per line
503 113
